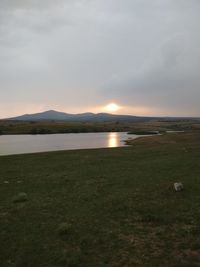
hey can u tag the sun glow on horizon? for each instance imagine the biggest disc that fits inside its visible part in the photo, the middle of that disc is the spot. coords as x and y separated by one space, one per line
112 107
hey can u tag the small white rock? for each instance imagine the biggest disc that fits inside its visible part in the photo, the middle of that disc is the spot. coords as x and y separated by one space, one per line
6 182
178 186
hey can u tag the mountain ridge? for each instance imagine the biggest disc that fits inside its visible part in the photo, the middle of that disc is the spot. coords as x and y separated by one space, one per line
54 115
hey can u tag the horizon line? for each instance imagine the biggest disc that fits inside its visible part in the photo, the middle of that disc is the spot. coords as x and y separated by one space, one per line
147 116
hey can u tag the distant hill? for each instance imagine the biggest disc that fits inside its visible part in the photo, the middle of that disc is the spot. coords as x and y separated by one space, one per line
83 117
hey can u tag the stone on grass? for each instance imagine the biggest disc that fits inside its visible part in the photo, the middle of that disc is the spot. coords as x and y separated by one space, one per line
64 228
21 197
178 186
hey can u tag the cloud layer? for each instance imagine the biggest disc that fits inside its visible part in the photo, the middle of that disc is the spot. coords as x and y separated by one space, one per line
77 55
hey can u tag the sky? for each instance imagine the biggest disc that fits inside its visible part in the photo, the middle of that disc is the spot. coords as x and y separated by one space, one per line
80 55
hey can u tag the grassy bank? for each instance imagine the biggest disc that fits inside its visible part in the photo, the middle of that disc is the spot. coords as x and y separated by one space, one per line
52 127
143 132
103 207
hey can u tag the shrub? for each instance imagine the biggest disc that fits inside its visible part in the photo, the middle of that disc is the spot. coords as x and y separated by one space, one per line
40 131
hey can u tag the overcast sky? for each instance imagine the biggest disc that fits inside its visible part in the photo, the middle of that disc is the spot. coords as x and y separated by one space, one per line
79 55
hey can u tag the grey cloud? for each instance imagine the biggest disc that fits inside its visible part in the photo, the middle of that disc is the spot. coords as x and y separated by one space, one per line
169 78
90 51
27 4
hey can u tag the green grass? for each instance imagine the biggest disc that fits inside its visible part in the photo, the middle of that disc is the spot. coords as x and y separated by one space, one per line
103 207
52 127
143 132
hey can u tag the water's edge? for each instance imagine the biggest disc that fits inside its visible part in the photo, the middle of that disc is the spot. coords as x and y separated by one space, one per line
23 144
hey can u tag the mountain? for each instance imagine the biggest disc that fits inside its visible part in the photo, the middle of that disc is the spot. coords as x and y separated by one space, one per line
83 117
46 115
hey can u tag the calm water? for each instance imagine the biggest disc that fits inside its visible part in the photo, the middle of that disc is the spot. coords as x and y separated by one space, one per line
19 144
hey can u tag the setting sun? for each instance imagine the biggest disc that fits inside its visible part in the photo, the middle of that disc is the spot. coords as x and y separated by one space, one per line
112 107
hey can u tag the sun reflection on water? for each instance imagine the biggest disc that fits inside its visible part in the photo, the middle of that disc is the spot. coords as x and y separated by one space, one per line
113 140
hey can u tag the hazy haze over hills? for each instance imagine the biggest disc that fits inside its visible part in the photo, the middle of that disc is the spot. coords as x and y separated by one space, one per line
88 116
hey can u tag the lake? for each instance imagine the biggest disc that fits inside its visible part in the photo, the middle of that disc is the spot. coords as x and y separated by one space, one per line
20 144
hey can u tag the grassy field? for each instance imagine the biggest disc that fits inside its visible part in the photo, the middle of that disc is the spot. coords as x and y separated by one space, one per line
103 207
51 127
